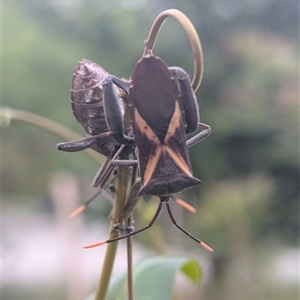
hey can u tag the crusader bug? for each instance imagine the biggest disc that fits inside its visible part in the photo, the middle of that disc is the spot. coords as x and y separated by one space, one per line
163 110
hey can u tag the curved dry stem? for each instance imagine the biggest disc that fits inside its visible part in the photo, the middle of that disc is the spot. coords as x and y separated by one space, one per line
192 35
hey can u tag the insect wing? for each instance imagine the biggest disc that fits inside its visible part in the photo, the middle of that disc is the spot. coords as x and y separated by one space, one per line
159 129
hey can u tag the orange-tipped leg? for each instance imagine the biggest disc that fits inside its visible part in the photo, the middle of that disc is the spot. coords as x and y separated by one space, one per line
206 247
95 245
77 211
129 234
186 205
162 201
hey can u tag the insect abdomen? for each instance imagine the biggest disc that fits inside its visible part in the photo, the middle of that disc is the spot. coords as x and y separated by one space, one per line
87 104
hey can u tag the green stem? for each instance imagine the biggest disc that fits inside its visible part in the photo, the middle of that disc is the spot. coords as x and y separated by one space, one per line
8 114
129 267
119 203
129 247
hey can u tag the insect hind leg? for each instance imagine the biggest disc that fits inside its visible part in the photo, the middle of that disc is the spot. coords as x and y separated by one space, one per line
205 246
112 109
200 136
187 98
81 144
132 233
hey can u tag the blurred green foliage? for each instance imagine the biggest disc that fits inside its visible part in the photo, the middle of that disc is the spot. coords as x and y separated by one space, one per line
158 271
249 96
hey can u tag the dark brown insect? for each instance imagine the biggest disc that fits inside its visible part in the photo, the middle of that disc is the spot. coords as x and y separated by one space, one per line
161 117
89 110
163 110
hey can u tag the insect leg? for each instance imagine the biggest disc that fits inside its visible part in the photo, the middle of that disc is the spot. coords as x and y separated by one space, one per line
123 162
112 109
122 227
206 247
125 220
132 233
103 174
82 207
131 201
189 143
100 181
200 136
187 98
81 144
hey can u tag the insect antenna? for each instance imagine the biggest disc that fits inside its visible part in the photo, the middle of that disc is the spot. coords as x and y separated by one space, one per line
163 200
103 175
206 247
99 181
82 207
185 205
130 234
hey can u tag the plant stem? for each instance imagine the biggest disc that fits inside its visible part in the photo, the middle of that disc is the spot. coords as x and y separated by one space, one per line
129 267
119 204
8 114
121 191
129 248
192 35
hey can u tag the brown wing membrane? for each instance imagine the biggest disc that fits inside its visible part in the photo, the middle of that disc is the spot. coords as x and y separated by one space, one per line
159 130
153 94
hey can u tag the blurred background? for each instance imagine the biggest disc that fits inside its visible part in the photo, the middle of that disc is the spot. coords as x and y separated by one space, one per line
248 202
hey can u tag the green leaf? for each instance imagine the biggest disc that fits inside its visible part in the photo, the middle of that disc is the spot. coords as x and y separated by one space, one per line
192 270
154 278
